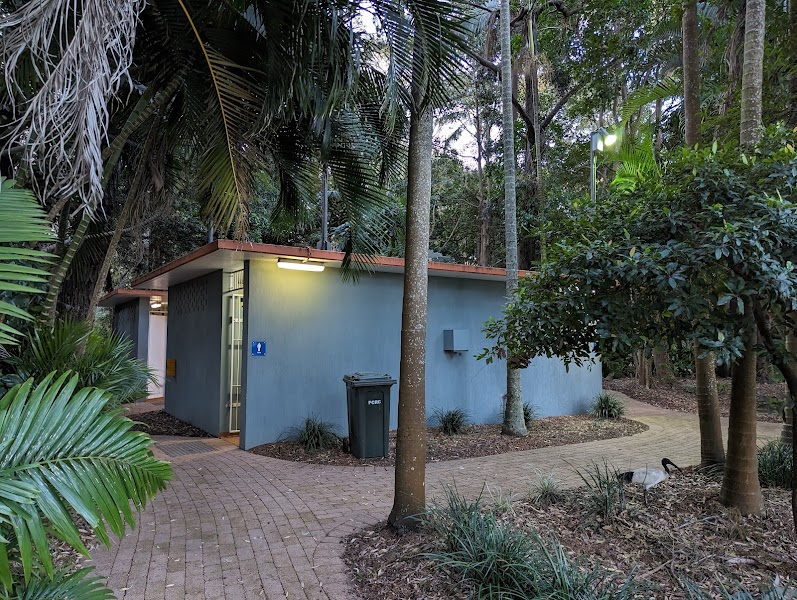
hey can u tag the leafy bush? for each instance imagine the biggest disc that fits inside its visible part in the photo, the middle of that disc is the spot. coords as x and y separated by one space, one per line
606 497
452 422
607 406
775 464
546 492
314 435
99 359
770 591
529 414
503 562
70 457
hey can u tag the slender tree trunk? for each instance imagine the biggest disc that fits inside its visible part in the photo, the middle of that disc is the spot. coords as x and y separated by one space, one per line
662 366
539 184
712 450
410 493
740 485
691 62
514 423
483 244
752 72
792 118
708 407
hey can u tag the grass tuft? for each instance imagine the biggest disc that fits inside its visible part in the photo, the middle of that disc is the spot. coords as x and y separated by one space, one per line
546 492
607 406
606 498
452 422
314 434
775 464
529 414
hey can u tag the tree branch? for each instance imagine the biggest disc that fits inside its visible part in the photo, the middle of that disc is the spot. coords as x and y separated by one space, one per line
784 365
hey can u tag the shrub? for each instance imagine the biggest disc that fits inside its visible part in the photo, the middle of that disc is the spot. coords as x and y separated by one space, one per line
775 464
546 492
607 406
500 561
452 422
529 414
98 358
606 497
314 434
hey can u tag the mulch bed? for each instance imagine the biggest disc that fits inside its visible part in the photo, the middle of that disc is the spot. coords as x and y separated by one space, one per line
681 396
684 532
478 440
159 422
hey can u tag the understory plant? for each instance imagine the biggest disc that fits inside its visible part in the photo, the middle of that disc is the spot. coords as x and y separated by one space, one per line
546 491
314 434
452 422
98 358
606 497
607 406
529 414
776 464
501 561
66 456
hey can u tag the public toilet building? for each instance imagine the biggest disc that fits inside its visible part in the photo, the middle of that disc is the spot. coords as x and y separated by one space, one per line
255 343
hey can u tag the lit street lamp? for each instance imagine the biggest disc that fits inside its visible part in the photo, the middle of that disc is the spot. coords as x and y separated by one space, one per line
598 140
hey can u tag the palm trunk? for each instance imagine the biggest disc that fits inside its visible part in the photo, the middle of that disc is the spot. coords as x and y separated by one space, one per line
539 185
410 493
712 450
514 423
792 118
740 485
752 72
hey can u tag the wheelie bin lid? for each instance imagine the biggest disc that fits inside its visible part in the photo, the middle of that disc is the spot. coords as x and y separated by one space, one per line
368 378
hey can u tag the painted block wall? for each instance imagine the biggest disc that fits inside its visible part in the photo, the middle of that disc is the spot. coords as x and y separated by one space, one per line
318 328
194 341
125 321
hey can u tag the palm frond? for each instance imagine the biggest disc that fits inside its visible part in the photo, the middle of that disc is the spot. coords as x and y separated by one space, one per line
23 221
79 58
63 585
65 454
663 89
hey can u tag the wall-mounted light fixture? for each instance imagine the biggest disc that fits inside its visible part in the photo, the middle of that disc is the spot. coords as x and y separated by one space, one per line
155 302
299 265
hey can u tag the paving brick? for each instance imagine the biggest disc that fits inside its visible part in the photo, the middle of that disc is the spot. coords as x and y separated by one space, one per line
234 525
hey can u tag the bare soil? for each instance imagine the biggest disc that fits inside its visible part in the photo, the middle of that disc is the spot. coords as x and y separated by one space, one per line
477 440
159 422
684 532
681 396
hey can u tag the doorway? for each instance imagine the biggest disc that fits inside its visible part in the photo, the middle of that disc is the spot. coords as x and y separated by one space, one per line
234 309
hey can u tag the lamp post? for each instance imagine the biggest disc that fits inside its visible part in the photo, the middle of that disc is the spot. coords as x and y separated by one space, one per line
597 141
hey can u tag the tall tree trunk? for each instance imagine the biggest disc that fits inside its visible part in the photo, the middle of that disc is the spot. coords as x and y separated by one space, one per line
483 244
712 450
410 494
662 366
708 408
753 72
740 486
792 118
514 423
539 184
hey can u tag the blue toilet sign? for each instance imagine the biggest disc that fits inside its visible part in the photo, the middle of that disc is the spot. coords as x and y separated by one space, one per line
258 348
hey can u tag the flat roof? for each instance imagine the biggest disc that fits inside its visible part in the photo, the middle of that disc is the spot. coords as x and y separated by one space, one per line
229 255
122 295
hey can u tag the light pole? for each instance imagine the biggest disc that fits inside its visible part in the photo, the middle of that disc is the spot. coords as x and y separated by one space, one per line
597 141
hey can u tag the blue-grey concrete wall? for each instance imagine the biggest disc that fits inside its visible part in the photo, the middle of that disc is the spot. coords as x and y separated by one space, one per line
318 328
194 341
125 321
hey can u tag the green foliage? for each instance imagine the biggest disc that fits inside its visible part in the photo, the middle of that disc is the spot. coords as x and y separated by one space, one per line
23 222
529 413
62 586
546 491
776 464
770 591
715 234
98 358
606 498
67 456
452 422
314 434
500 561
607 406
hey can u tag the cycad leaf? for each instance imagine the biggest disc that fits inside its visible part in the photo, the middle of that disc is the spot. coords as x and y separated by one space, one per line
64 586
61 452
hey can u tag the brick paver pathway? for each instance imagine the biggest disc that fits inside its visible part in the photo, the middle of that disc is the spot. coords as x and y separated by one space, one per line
233 525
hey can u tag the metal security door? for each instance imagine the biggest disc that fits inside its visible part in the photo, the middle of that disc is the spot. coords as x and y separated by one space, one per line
234 343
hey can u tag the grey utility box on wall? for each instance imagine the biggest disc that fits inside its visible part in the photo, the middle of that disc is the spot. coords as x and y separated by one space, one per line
368 401
456 340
